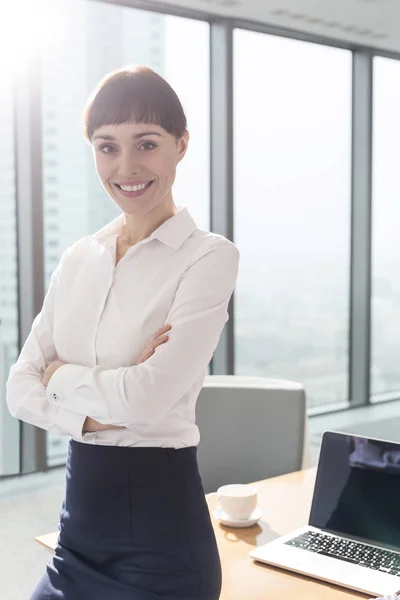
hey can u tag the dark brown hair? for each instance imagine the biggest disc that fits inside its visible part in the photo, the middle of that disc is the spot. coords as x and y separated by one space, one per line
134 94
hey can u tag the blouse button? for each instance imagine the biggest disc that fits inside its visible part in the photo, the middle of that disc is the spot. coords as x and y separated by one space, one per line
55 397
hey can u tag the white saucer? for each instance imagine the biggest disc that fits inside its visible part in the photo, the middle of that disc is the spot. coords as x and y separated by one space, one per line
226 520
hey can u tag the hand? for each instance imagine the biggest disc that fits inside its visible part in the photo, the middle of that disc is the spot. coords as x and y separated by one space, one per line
159 337
90 425
51 369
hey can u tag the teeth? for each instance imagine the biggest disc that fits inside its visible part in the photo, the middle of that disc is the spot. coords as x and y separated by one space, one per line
133 188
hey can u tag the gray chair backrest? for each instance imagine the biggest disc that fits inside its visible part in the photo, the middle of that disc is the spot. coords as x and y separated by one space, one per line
251 428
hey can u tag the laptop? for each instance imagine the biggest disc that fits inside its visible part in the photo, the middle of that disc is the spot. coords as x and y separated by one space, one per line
353 535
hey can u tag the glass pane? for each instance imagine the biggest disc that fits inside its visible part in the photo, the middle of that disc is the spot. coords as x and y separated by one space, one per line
9 426
92 39
385 324
292 135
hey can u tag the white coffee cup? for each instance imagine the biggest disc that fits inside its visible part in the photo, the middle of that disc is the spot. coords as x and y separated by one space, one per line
237 500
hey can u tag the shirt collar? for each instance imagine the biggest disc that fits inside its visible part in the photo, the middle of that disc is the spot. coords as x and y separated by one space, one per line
173 232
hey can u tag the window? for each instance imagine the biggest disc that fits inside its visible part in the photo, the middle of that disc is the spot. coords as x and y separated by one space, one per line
385 308
292 157
82 204
9 426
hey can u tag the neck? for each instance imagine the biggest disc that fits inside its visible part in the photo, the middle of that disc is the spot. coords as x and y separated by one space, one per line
138 228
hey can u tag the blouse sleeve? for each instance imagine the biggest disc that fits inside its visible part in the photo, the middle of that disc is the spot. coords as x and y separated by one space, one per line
26 396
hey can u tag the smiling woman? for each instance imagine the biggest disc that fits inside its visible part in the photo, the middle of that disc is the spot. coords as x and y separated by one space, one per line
134 521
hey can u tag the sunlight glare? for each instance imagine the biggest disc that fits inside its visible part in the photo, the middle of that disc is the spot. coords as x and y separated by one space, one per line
27 25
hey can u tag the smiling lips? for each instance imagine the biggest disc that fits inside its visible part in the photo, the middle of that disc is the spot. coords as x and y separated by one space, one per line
133 189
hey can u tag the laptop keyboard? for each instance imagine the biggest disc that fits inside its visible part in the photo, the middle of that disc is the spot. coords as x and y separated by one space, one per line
379 559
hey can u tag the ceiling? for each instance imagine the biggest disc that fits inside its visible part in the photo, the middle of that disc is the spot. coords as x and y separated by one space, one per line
373 23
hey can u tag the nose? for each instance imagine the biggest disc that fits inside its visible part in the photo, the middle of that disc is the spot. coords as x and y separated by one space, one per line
129 164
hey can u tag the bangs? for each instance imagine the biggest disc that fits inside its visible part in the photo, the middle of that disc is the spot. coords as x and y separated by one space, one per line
138 96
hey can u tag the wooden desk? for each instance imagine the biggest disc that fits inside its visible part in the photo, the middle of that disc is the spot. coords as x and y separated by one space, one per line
286 502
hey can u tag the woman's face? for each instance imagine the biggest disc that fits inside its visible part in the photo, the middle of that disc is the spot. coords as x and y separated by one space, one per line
141 158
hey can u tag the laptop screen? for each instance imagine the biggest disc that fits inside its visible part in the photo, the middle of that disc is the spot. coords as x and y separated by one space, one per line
357 490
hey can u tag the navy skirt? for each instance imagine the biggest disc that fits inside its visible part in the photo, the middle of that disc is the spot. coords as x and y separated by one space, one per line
134 525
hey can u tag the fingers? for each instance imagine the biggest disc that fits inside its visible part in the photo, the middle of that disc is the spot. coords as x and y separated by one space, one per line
160 340
160 337
161 331
149 351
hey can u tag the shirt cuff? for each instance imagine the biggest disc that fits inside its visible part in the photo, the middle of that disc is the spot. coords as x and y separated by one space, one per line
71 423
61 389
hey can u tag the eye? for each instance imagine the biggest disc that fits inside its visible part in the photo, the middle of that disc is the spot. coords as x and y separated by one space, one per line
148 146
103 149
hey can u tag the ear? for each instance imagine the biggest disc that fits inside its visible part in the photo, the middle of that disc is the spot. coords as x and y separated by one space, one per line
182 146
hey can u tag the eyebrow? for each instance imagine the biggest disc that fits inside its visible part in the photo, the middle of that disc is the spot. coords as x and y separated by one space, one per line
135 136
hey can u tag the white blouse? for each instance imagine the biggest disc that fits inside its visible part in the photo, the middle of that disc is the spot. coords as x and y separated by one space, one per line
98 318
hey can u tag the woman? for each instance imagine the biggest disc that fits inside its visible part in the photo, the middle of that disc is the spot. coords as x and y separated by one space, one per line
116 360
